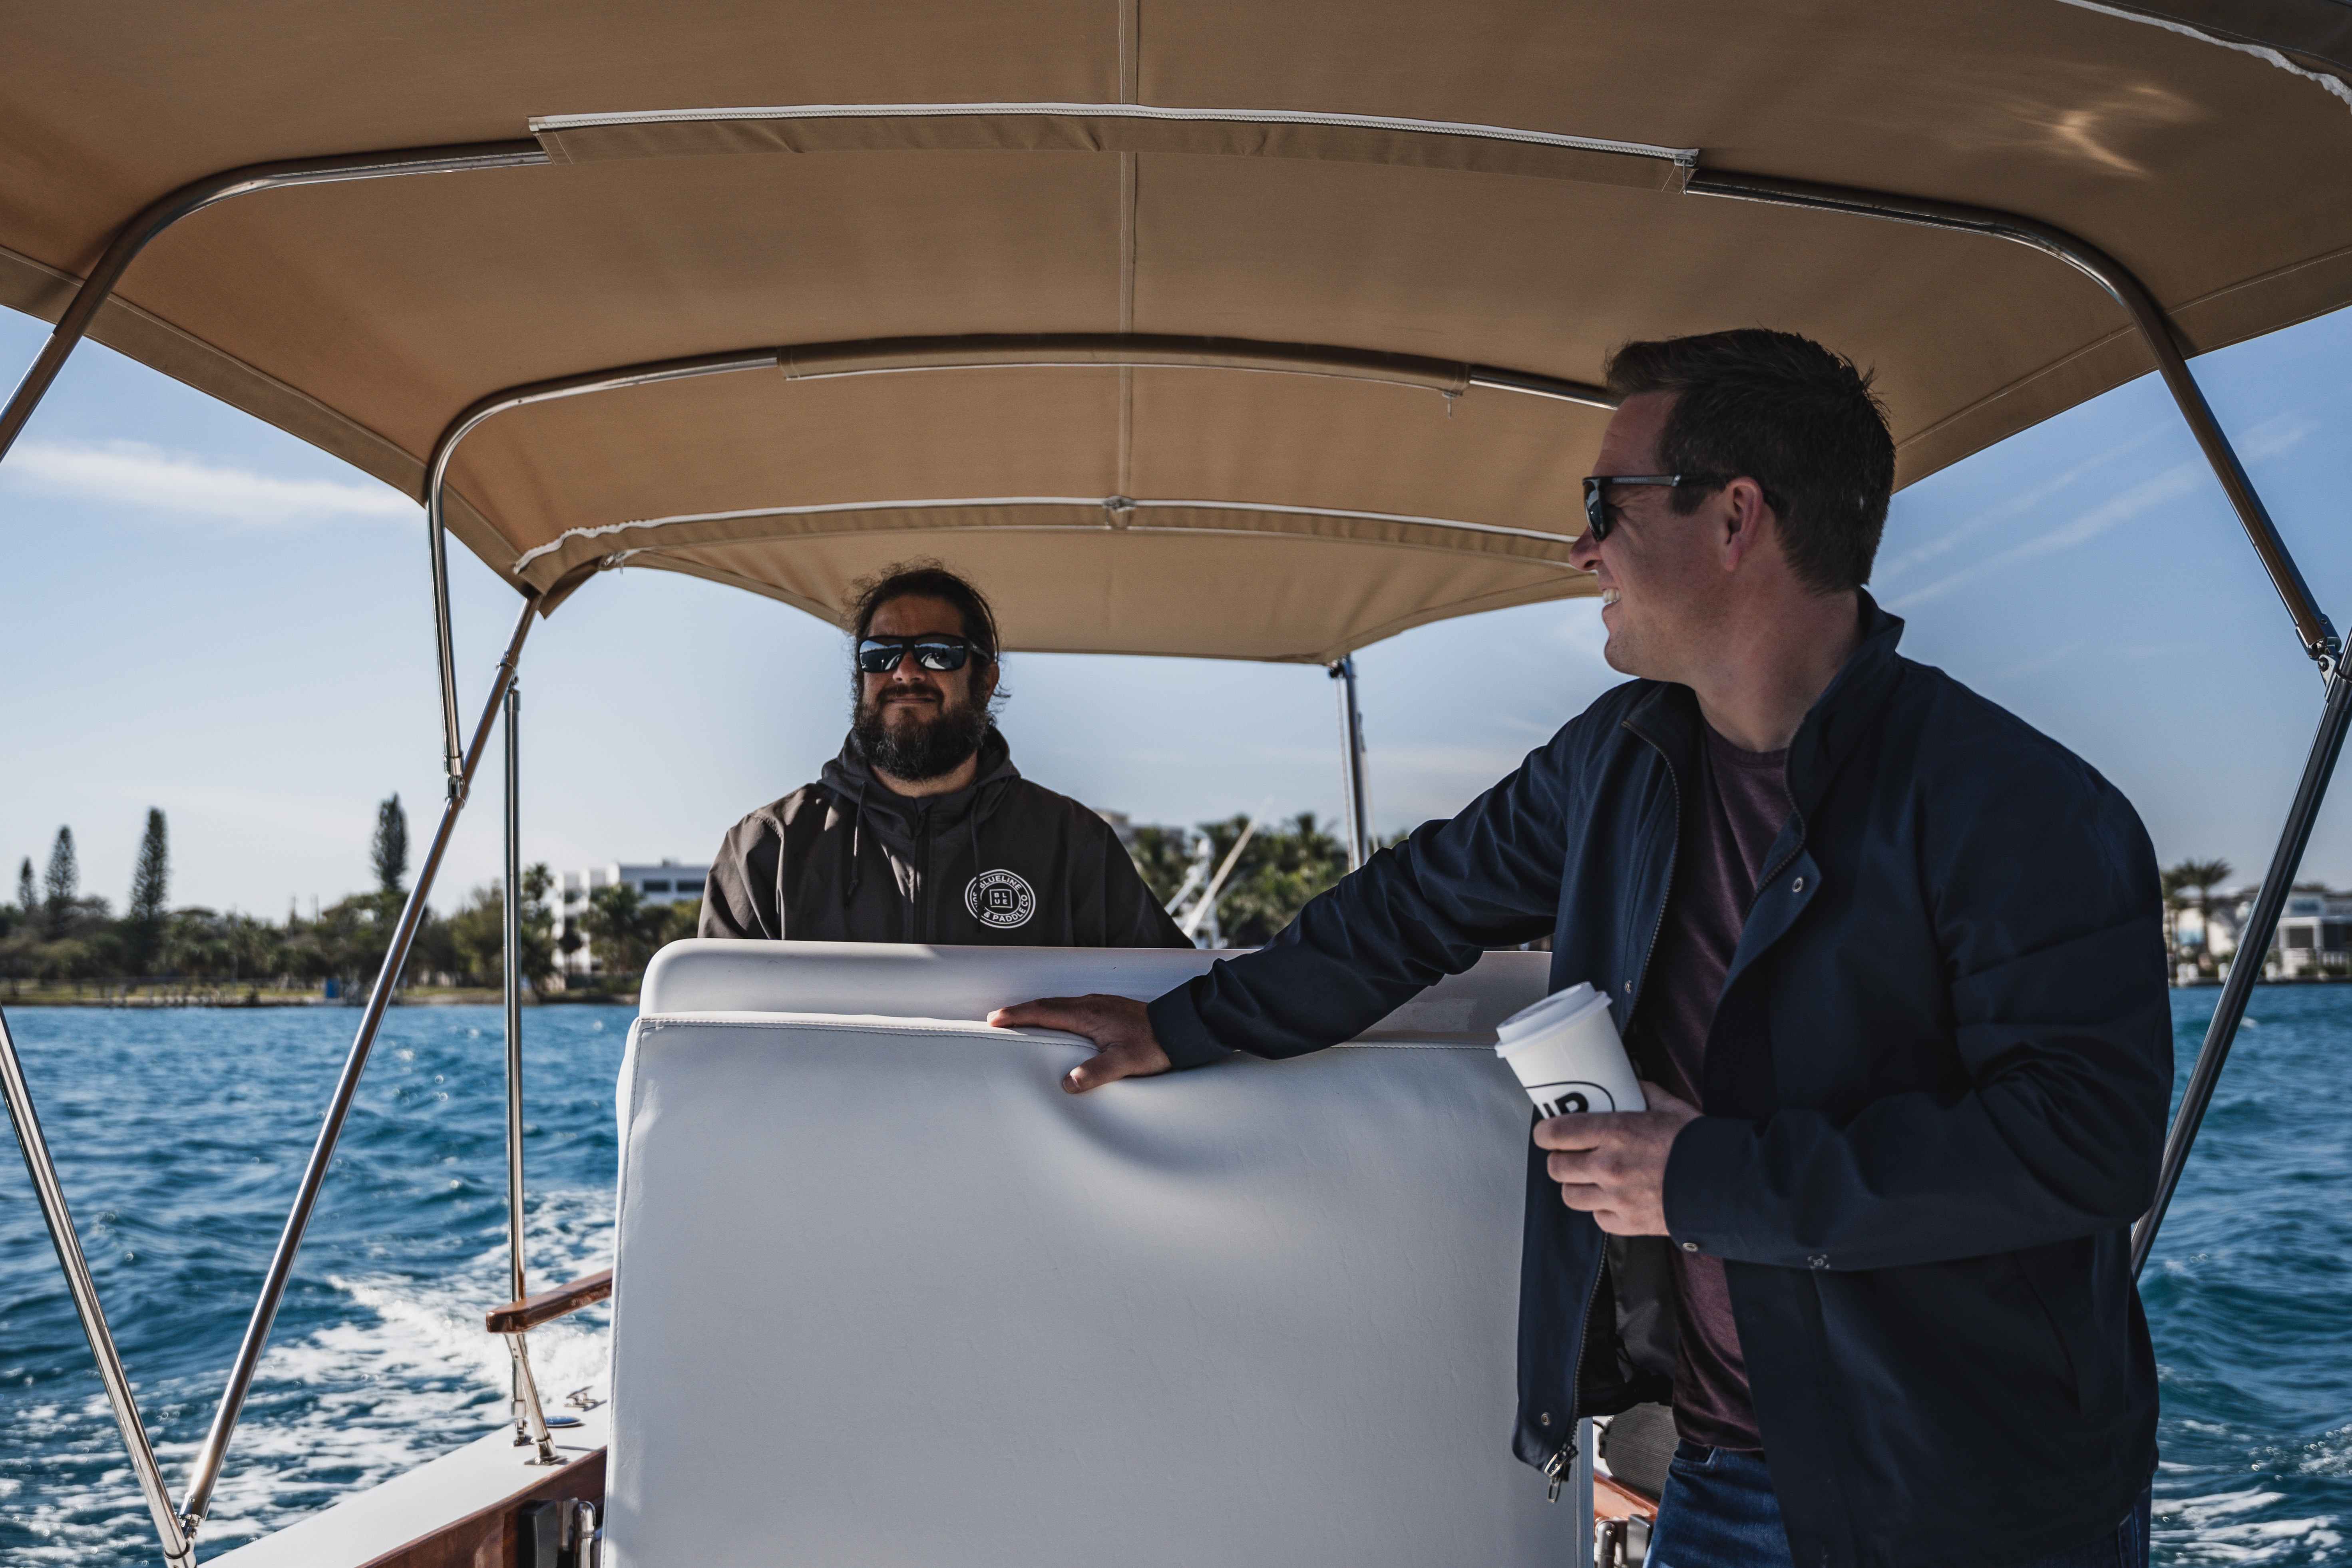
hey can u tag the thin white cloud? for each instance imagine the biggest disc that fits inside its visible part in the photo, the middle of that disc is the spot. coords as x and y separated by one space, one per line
2171 484
2279 434
133 474
1946 540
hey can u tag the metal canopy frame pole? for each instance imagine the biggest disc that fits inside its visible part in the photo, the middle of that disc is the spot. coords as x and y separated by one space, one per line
206 1472
1351 766
213 189
178 1530
2311 626
436 480
891 356
513 980
179 1547
531 1421
2156 330
2246 967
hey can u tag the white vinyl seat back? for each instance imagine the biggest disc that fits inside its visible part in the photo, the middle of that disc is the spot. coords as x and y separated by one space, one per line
886 1295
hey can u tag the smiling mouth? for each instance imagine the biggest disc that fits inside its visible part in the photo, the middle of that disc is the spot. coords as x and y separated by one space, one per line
1609 596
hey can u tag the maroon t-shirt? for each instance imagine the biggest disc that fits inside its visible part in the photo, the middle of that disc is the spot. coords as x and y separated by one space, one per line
1731 813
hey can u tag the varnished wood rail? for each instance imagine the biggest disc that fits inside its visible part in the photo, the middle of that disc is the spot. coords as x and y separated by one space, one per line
516 1316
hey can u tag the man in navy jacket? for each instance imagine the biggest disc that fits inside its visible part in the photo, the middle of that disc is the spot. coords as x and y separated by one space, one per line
1891 963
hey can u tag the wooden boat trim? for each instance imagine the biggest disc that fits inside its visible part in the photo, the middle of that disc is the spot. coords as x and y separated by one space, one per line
519 1317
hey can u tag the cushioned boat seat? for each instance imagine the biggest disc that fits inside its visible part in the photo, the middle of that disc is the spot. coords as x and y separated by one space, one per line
885 1294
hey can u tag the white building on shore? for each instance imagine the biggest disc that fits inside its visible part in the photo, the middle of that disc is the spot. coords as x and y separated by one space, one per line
665 882
2315 934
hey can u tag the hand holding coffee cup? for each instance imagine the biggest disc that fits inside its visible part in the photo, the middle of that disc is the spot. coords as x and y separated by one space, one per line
1567 1057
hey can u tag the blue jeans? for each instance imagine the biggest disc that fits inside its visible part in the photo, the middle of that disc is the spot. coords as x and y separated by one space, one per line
1719 1512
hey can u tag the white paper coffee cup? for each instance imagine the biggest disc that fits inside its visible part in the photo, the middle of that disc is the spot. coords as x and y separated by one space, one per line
1566 1051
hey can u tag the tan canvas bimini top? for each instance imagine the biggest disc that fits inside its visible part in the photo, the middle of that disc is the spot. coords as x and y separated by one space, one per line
1260 330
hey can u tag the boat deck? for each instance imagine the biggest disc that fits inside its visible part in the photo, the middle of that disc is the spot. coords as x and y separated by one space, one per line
442 1511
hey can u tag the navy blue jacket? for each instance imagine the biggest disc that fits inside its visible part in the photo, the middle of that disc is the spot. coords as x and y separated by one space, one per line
1935 1097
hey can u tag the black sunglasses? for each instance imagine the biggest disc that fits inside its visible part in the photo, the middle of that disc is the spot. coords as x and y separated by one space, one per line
938 651
1596 494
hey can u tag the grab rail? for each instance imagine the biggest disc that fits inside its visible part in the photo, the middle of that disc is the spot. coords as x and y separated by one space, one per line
517 1317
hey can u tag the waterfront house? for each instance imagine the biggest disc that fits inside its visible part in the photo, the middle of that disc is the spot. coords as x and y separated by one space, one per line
665 882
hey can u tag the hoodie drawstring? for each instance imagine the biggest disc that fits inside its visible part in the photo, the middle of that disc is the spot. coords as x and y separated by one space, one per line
856 830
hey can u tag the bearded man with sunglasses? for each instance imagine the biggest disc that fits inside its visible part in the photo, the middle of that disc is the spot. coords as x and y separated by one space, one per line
1892 964
922 829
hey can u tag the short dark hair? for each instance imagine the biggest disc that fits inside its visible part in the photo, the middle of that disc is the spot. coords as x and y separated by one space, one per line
1782 410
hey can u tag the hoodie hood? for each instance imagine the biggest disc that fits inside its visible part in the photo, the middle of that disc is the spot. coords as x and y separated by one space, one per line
849 777
1001 861
901 822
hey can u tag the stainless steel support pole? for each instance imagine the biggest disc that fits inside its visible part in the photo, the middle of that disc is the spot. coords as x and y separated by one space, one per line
437 481
133 237
1352 744
535 1420
2156 330
2246 967
514 993
512 952
205 1473
179 1549
445 652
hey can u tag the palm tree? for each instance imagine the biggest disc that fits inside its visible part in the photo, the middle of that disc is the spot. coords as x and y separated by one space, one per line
2205 876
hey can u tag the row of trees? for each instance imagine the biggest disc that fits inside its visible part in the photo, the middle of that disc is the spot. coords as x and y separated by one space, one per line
53 932
1283 864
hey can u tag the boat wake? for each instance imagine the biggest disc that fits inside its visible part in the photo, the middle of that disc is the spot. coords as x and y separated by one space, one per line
408 1374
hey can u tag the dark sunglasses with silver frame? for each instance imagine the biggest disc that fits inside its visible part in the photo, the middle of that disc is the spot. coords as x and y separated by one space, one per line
1597 492
936 651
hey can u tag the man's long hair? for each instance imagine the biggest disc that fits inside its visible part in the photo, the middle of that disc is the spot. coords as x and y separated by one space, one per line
923 579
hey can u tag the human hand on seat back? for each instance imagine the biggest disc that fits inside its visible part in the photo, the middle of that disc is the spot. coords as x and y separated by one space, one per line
1124 1046
1612 1164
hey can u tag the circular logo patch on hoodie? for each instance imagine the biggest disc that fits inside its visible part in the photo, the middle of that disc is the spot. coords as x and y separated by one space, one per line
1000 900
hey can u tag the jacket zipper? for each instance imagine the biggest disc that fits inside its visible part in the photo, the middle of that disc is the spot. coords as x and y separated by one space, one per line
1555 1468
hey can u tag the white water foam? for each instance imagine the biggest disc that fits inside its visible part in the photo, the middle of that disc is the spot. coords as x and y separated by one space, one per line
2206 1529
409 1376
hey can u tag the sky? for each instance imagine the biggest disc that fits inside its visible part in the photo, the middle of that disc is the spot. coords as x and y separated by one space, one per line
201 613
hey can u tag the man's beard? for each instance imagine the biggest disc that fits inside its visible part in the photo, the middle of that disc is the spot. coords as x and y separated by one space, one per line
915 749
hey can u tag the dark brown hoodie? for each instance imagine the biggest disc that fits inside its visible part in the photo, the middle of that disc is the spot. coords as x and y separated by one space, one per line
1002 862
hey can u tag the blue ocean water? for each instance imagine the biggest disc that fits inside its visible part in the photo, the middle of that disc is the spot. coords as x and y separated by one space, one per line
179 1136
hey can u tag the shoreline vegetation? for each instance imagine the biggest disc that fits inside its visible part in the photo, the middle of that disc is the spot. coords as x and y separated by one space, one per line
165 993
59 947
